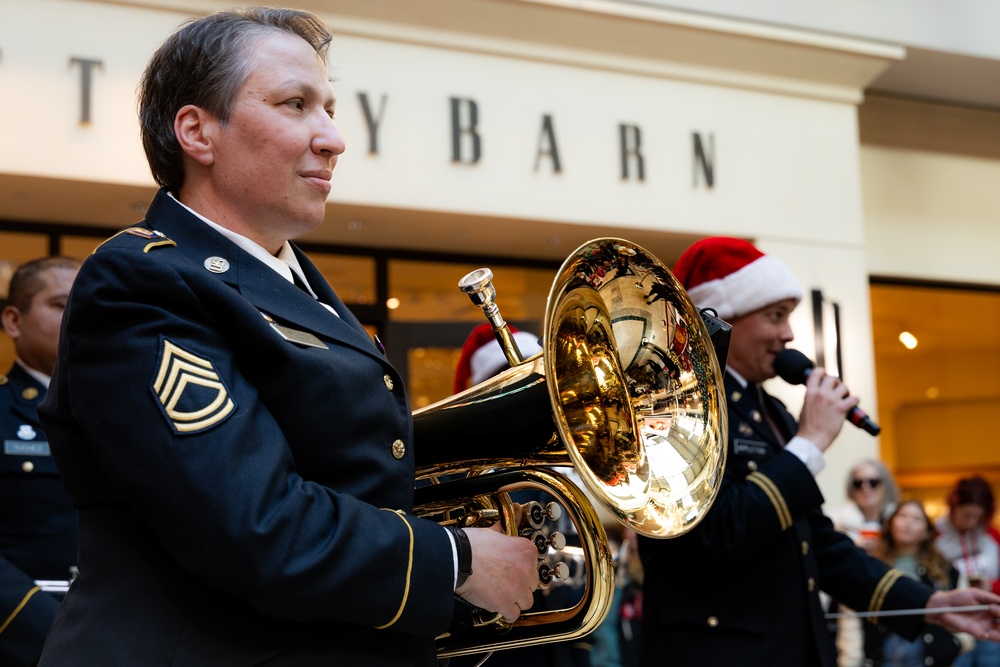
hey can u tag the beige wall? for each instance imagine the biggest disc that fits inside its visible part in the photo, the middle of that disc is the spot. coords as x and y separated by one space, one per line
930 175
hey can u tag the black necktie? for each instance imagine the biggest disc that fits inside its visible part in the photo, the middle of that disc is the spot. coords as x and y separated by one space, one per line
298 282
762 399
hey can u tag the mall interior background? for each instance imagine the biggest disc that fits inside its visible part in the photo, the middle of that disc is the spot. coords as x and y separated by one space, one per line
861 142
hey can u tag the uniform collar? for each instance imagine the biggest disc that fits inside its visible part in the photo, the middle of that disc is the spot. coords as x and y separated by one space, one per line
270 293
284 263
38 376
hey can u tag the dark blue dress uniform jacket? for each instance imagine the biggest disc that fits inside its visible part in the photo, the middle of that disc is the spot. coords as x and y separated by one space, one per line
37 522
742 587
241 495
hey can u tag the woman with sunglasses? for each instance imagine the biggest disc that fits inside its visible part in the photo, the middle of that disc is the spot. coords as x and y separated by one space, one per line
872 495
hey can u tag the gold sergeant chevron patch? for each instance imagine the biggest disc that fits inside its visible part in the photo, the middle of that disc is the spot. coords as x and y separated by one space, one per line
192 394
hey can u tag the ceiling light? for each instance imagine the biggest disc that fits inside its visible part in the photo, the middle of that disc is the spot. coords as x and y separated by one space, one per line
392 303
908 340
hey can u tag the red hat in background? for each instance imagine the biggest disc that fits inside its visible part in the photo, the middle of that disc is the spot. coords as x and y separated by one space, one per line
482 357
734 277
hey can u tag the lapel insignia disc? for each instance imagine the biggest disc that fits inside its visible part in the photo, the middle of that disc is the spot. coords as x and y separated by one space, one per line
217 264
29 394
189 390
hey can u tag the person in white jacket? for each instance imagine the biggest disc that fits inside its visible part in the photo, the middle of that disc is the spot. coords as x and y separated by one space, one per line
965 538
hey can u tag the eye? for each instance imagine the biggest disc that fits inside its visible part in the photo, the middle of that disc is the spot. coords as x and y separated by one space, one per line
297 104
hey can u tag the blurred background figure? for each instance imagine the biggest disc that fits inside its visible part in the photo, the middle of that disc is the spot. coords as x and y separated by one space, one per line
872 495
37 522
482 357
966 539
629 581
907 544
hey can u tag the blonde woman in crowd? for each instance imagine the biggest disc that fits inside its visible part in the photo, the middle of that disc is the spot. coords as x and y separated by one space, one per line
872 495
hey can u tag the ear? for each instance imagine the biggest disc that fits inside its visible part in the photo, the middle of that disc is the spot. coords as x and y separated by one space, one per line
11 318
195 128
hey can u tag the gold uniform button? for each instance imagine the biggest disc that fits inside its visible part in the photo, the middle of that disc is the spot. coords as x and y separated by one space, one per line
398 449
713 622
812 584
805 548
752 466
30 394
388 382
27 466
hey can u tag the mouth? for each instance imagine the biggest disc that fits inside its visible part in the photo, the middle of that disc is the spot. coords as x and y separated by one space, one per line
319 180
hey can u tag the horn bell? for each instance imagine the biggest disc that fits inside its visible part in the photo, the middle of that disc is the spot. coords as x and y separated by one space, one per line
637 389
627 390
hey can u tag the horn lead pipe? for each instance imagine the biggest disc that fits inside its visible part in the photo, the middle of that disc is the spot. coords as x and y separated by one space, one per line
478 285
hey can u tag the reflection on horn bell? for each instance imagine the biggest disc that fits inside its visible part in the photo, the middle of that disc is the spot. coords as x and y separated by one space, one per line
627 390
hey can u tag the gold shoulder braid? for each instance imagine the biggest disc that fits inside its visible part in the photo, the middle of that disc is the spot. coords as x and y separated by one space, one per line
157 238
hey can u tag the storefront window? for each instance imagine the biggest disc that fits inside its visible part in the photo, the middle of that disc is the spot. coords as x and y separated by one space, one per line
352 276
937 359
430 318
80 247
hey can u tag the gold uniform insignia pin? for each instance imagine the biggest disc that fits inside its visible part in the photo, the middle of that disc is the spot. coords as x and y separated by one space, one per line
29 394
294 335
157 238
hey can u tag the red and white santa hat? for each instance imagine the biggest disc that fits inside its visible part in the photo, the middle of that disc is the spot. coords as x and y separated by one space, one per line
482 357
733 277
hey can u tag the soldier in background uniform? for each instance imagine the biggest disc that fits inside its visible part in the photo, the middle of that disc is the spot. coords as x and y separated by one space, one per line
37 521
742 587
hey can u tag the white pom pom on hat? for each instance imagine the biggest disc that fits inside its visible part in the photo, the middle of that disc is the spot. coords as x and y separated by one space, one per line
482 357
733 277
490 359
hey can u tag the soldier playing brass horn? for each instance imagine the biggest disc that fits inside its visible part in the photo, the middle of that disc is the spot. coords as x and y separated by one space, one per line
238 447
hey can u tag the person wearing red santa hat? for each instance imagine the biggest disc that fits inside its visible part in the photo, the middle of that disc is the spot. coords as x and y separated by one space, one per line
482 357
742 587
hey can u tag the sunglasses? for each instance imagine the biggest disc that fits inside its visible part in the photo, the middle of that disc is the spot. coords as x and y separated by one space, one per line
871 483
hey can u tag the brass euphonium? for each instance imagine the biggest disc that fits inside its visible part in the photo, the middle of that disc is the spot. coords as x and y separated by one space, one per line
627 389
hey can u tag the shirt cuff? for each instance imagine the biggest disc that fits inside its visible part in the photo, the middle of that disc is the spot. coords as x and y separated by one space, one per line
454 559
808 453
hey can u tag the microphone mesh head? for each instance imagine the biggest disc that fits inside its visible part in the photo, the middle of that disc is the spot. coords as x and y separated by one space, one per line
792 366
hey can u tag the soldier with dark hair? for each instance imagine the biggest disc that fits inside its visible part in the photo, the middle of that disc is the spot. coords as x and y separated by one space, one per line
37 521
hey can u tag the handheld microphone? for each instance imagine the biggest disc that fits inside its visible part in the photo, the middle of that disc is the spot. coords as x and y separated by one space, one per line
794 368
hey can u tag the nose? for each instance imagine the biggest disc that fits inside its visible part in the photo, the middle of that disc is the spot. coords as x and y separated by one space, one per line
786 333
328 139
